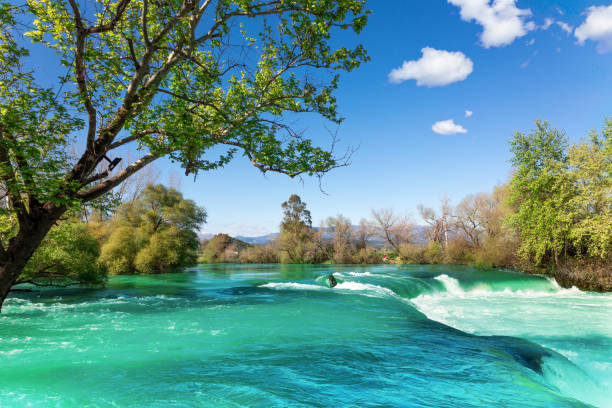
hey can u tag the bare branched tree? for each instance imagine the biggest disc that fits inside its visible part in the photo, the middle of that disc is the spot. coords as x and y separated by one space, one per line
439 224
343 239
364 233
392 227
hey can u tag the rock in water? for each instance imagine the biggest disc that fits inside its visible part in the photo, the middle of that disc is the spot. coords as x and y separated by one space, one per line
332 280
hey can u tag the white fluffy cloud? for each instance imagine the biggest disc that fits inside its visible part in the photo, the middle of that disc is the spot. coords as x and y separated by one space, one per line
448 127
468 113
434 68
597 27
501 20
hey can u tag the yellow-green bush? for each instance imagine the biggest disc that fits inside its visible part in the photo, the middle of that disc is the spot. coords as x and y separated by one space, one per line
413 254
119 251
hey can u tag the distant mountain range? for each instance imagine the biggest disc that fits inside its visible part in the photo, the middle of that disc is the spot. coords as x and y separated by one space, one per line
261 240
265 239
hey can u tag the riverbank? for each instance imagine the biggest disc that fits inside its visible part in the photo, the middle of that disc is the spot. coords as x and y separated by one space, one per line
596 277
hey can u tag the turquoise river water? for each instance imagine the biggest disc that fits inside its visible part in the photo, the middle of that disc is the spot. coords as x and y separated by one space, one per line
278 336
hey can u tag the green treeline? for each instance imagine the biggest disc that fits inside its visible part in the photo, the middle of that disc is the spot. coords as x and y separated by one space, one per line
471 233
553 216
562 200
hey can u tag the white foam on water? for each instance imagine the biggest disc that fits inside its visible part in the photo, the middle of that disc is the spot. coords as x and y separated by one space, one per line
13 305
451 284
11 352
574 382
508 312
292 285
362 275
577 324
366 289
567 353
454 290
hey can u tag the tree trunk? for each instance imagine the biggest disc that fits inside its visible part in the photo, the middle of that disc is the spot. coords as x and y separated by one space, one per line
9 271
22 246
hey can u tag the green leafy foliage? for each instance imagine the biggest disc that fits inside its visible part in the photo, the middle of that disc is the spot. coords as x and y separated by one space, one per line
154 233
119 252
167 248
34 131
541 190
561 196
68 255
297 235
591 174
189 86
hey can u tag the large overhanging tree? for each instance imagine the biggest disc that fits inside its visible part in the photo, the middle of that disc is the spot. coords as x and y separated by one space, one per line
175 78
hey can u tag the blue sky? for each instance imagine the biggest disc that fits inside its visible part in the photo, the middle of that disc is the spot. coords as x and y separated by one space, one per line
509 62
401 162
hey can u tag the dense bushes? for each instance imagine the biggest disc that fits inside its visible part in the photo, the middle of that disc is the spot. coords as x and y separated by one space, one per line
562 197
592 274
268 253
168 248
120 250
153 233
67 255
223 248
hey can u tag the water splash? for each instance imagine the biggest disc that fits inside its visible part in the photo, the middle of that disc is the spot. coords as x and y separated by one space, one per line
568 321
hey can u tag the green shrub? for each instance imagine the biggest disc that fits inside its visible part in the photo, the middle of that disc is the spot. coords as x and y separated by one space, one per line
268 253
459 251
367 255
434 253
166 249
119 251
413 254
68 254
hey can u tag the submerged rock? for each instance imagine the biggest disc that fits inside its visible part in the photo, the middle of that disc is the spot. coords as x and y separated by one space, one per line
332 280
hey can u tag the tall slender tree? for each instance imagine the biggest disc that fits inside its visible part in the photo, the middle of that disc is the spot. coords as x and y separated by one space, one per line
541 191
296 229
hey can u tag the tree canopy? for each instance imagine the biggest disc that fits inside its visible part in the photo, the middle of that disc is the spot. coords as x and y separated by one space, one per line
199 82
298 238
154 233
562 194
